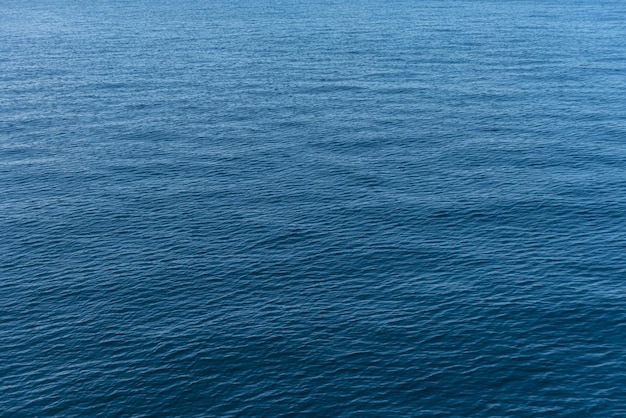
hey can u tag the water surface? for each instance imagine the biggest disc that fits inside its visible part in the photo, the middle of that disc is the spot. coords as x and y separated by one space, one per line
313 208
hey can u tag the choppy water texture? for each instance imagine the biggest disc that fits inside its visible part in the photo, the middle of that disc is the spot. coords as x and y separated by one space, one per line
313 208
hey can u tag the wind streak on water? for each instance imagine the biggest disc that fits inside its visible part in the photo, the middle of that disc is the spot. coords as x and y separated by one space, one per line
312 208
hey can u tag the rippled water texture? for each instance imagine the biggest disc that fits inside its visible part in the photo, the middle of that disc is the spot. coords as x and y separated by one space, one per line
313 208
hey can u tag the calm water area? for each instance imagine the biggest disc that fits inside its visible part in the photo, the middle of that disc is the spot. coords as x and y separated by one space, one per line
325 208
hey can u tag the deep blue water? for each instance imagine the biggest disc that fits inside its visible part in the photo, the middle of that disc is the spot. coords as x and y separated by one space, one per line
313 208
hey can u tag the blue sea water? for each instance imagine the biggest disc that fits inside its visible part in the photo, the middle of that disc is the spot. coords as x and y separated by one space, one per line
331 208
